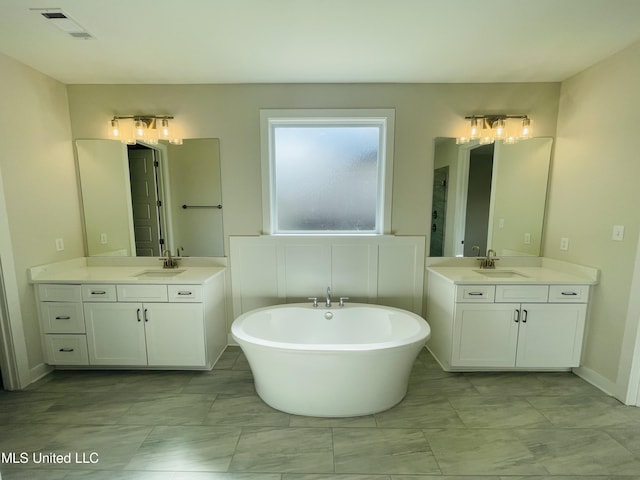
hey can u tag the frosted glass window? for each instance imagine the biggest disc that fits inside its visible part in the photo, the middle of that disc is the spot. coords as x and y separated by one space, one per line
327 175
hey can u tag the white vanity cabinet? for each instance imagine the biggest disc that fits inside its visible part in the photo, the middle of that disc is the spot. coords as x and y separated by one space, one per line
144 328
133 325
506 326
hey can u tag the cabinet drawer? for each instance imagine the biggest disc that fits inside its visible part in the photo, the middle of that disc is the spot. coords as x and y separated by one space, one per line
185 293
99 293
66 349
475 293
568 293
142 293
51 292
62 317
522 293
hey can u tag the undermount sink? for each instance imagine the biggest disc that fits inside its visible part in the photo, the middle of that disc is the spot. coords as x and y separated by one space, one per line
158 273
501 274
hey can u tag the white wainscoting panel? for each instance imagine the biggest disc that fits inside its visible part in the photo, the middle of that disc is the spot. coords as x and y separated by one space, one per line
354 272
307 270
270 270
400 280
254 274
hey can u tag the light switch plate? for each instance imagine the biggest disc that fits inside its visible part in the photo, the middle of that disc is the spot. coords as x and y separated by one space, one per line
564 243
527 238
59 244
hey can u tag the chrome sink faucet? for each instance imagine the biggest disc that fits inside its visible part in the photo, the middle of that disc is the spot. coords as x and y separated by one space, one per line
168 260
489 261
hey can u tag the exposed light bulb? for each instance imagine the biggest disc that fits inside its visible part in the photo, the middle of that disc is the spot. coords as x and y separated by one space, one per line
164 132
499 129
115 129
474 132
526 128
139 128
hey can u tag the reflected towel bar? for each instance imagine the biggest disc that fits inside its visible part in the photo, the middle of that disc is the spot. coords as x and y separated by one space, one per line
202 206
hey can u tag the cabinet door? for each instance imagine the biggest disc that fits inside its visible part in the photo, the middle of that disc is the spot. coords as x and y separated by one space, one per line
175 334
115 333
550 335
485 335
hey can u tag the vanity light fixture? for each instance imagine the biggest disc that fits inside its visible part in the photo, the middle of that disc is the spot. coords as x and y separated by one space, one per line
131 129
490 128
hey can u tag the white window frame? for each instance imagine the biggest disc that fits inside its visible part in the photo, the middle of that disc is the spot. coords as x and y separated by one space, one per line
270 119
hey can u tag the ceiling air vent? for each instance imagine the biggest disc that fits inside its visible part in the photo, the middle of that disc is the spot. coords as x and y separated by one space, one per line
61 20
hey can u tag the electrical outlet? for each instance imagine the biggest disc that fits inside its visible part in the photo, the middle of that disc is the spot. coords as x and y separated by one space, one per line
564 243
103 238
527 238
618 233
59 244
501 223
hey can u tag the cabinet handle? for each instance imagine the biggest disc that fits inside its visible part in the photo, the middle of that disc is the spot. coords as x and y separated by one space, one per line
63 318
98 292
146 318
185 292
66 350
138 314
524 316
570 294
516 315
476 294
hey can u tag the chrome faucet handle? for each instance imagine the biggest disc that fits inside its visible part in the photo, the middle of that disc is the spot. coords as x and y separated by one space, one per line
315 301
342 299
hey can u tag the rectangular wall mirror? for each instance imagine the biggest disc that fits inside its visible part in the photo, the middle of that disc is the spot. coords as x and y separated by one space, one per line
139 200
489 197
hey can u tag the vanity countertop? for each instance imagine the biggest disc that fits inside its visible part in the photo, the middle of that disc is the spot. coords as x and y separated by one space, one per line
515 275
124 274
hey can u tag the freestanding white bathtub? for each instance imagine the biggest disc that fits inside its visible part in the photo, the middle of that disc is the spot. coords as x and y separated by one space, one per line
330 362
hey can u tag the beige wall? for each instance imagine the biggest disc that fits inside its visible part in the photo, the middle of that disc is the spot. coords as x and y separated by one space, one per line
594 186
232 114
39 179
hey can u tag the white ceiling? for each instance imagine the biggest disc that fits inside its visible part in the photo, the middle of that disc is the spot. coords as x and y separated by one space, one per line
267 41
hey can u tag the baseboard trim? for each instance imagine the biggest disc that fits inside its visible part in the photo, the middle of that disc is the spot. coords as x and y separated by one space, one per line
39 371
598 381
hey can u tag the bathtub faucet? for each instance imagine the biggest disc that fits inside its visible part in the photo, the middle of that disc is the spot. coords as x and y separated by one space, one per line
328 302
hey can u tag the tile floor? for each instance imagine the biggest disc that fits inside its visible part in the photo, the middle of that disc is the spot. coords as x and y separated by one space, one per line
211 425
